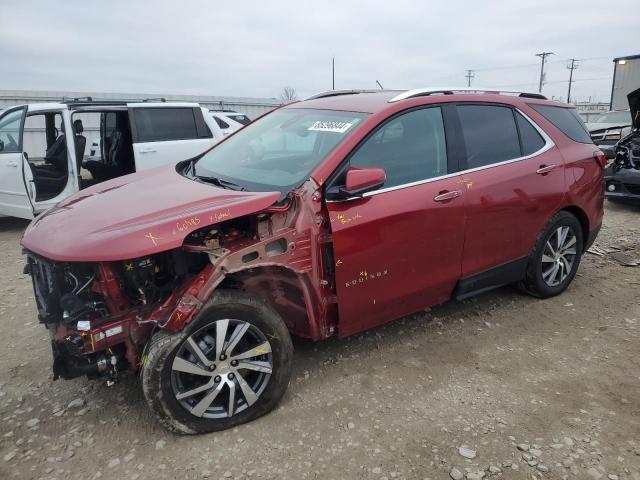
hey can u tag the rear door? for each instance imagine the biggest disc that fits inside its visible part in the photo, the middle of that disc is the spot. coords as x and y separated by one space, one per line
398 249
14 200
514 182
166 135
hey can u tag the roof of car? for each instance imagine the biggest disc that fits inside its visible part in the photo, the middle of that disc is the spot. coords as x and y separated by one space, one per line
48 106
368 101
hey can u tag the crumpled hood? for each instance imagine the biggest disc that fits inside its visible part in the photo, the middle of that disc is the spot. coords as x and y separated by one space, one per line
634 105
135 215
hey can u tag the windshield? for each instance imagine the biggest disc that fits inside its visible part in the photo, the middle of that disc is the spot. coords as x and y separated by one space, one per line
623 118
279 151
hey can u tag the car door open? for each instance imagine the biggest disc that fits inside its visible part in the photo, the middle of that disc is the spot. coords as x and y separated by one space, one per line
398 248
14 200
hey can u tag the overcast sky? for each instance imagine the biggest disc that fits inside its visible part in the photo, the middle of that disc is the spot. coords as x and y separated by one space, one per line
242 48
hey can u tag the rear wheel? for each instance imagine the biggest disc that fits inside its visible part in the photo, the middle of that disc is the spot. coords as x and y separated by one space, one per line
231 365
555 258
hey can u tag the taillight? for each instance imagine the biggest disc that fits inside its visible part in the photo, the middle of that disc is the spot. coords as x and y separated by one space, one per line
600 158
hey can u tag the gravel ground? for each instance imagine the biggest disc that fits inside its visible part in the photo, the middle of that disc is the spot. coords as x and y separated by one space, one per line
502 385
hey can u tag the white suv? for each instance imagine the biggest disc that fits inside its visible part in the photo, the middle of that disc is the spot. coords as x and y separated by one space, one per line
40 165
227 121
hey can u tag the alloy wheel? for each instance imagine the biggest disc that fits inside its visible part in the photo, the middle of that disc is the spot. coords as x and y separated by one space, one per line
222 369
558 256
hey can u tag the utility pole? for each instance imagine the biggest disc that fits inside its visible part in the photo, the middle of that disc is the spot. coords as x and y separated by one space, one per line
543 56
333 73
572 67
469 76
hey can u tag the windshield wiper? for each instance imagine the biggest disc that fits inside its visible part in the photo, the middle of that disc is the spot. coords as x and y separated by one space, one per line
221 183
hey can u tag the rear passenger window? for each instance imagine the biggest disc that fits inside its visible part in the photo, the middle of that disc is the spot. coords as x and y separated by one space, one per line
410 148
489 133
159 124
530 139
566 120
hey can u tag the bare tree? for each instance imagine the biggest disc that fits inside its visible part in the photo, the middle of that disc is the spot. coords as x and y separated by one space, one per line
288 95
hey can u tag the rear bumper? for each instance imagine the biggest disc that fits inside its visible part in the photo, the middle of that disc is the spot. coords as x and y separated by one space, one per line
592 237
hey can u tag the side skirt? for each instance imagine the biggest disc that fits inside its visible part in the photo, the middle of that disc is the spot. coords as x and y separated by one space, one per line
489 279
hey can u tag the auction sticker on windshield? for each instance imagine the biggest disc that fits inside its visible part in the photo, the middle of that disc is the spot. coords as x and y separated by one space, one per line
328 126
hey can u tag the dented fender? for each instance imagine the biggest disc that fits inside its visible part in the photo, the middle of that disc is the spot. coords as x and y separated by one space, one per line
284 267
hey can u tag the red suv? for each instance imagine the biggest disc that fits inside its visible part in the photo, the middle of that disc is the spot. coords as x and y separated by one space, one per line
325 217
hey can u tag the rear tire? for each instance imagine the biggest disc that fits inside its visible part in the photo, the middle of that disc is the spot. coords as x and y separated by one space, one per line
196 383
555 258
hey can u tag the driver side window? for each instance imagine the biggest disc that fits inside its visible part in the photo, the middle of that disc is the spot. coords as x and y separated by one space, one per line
410 147
10 132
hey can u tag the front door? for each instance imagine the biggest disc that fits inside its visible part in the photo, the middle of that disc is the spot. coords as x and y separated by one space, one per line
14 201
398 250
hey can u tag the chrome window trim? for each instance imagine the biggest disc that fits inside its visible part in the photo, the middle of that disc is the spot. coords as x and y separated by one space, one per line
549 144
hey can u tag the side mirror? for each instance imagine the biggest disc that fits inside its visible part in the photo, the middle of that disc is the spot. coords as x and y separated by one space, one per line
357 182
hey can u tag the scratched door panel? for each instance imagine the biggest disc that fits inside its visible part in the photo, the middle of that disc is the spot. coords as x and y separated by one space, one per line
396 252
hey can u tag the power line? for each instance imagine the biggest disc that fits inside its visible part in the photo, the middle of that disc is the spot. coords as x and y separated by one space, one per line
543 57
469 76
572 67
506 67
529 65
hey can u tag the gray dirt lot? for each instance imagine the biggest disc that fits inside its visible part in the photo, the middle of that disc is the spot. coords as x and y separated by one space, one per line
561 376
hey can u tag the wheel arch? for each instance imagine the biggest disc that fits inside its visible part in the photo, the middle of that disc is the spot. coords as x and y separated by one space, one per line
582 218
289 293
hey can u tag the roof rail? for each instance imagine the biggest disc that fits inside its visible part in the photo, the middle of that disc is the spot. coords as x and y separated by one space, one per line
89 101
159 99
335 93
423 92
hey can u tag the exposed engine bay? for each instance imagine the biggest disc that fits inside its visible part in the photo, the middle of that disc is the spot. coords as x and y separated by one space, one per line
85 306
101 315
628 152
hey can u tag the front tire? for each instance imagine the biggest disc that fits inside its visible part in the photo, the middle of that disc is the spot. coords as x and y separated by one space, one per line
555 258
231 365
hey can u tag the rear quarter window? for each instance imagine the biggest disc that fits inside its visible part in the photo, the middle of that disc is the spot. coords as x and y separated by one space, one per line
530 139
566 120
221 123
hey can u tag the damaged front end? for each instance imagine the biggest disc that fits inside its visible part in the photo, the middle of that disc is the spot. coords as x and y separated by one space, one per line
101 315
622 177
95 311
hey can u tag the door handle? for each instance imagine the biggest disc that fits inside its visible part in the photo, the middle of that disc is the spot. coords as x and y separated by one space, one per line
12 163
544 169
444 196
147 150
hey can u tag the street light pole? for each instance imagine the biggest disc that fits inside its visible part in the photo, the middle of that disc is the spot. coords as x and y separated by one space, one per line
333 73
